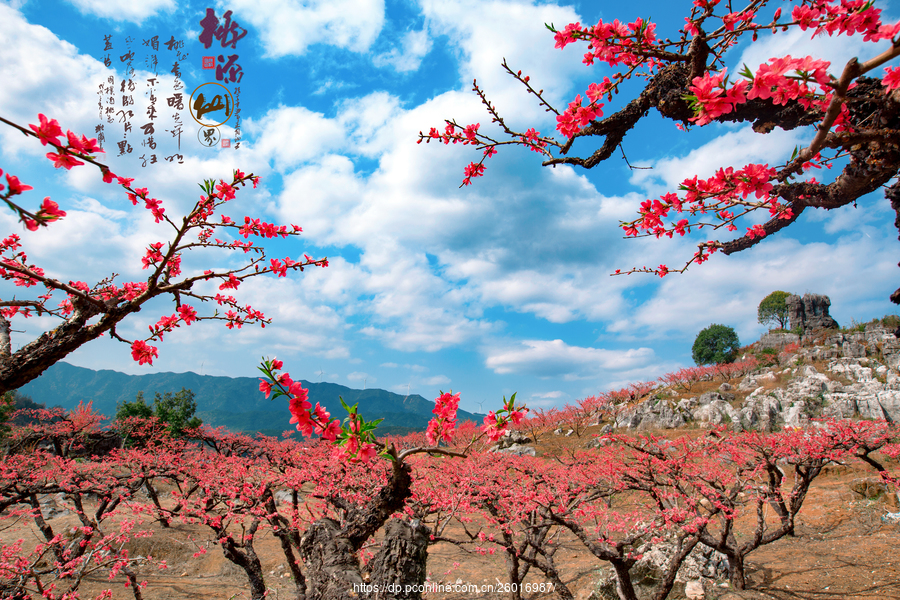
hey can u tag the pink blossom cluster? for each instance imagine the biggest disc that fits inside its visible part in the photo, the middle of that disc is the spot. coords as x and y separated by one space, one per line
316 420
469 136
848 17
472 170
727 188
47 213
49 131
576 117
780 80
613 43
263 229
531 140
441 427
143 353
685 378
185 314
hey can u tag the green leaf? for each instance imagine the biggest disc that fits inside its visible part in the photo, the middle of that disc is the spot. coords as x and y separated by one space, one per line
746 72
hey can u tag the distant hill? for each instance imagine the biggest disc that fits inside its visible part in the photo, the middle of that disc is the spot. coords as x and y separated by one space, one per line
233 402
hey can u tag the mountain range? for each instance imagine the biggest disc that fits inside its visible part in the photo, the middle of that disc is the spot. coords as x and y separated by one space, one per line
233 402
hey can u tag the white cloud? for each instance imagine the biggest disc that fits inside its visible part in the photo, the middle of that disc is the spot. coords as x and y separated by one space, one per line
289 27
415 368
488 32
58 81
437 380
93 206
123 10
555 358
414 46
293 135
553 394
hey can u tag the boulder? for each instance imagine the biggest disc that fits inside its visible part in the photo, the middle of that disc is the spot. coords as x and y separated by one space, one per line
517 450
718 412
511 438
761 412
874 488
796 415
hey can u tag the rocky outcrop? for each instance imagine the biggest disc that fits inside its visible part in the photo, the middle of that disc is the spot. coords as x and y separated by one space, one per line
810 313
861 380
777 340
696 579
513 442
653 413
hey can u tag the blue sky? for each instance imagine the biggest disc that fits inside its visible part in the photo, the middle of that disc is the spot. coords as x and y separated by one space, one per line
498 287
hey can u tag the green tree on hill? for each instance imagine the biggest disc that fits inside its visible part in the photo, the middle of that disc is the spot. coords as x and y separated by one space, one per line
773 309
715 345
176 411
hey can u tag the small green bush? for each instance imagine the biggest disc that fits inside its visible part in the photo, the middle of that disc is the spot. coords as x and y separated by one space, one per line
716 344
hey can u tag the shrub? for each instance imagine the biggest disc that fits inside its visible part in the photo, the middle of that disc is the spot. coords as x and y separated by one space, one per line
176 412
715 345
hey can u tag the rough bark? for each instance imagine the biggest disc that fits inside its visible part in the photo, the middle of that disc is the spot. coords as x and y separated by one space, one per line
332 568
329 550
401 562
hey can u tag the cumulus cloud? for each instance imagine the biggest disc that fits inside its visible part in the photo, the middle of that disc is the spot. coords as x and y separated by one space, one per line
486 33
58 81
289 27
292 135
414 46
555 358
123 10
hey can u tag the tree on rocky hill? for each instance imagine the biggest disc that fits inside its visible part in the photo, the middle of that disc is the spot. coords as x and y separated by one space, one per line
715 345
773 309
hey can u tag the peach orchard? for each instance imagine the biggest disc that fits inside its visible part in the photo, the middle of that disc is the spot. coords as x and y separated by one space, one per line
617 500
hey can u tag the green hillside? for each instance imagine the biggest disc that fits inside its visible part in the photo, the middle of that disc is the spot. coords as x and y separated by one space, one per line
233 402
